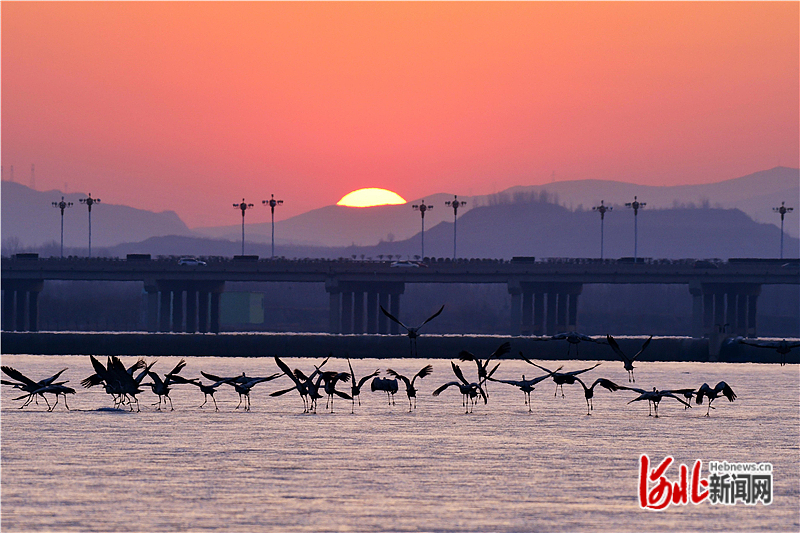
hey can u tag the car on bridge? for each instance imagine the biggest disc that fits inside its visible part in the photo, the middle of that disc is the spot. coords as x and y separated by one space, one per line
405 264
190 261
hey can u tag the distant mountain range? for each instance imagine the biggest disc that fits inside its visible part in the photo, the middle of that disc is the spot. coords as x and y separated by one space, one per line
755 195
29 217
553 220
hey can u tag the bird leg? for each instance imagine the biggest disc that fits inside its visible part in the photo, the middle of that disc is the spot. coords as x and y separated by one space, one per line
171 408
215 403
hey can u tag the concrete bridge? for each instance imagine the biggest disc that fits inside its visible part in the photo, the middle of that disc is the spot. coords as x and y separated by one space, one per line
544 293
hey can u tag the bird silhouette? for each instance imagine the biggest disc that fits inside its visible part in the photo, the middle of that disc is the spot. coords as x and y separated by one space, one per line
303 384
55 389
469 391
560 378
413 333
653 397
355 385
572 337
783 347
161 388
411 392
526 385
26 384
483 366
119 381
721 388
242 384
330 379
627 361
389 386
207 390
589 391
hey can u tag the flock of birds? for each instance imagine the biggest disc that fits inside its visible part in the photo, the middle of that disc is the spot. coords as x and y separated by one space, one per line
124 384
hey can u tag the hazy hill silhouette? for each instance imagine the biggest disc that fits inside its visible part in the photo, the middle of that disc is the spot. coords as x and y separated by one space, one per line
755 194
28 216
519 221
532 227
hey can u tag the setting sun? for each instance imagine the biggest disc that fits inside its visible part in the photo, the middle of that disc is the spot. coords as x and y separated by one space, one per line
371 197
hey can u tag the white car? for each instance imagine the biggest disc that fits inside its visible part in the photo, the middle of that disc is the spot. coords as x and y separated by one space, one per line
191 261
404 264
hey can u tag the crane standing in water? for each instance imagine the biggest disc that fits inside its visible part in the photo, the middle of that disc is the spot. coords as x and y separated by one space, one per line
526 385
411 391
483 366
355 385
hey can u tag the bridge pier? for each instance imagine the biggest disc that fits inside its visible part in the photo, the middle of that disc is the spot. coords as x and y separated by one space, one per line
184 306
724 309
21 305
347 314
539 308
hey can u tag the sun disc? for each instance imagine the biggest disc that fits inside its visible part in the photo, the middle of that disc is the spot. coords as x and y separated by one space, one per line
371 197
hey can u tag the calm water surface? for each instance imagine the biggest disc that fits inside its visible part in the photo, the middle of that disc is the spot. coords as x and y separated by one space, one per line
383 468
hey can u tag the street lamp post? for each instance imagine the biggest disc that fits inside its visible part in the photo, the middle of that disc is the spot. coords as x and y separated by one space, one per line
422 208
62 205
272 202
89 202
602 210
455 204
782 210
244 206
635 205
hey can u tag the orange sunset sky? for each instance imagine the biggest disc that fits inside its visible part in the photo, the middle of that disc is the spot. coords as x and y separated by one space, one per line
192 106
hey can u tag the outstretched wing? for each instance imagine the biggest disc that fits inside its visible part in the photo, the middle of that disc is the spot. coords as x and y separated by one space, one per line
634 389
464 355
19 376
606 384
727 391
282 392
458 373
443 387
286 370
212 377
576 372
485 398
670 395
392 317
182 380
534 364
181 364
492 371
534 381
398 376
425 371
434 315
616 348
51 379
501 350
365 378
644 346
704 390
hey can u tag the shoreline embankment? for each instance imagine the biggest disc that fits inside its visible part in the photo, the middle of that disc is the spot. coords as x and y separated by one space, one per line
681 349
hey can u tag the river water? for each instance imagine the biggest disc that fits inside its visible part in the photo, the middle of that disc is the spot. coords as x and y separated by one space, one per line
384 468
